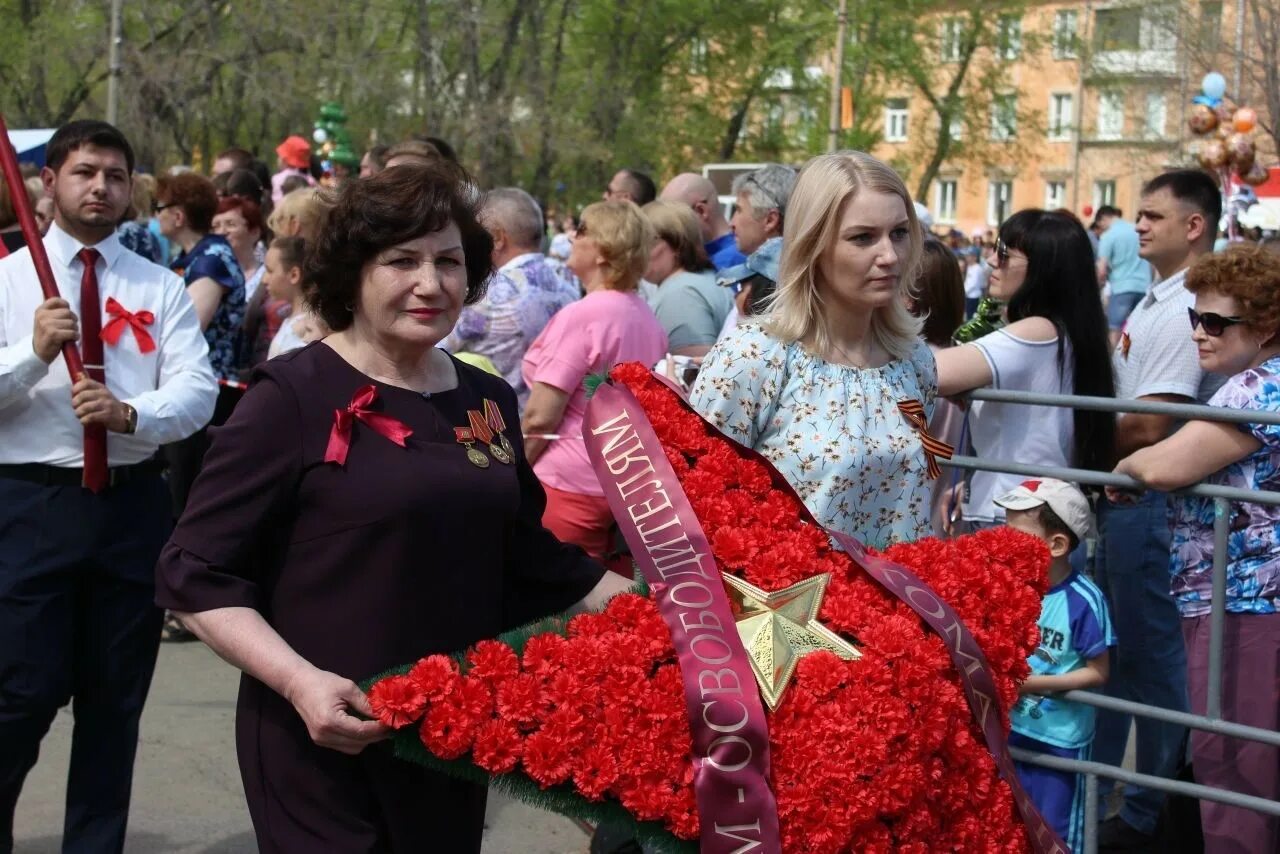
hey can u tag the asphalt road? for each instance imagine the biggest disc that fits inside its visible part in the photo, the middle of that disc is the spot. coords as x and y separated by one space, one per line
186 791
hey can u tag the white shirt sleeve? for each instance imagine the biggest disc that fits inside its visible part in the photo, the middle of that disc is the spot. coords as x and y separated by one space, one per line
20 367
186 389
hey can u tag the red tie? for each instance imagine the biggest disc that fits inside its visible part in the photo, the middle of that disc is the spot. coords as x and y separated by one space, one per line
95 435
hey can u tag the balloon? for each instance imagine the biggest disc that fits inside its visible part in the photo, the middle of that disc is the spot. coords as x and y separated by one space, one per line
1214 85
1206 100
1202 119
1213 155
1256 175
1088 210
1245 119
320 135
1241 152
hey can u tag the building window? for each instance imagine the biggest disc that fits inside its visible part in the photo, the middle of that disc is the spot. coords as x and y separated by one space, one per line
952 39
698 56
1066 29
1061 116
1055 195
1104 193
1004 117
774 116
1210 25
1118 29
895 120
999 202
1009 37
1156 116
1110 115
944 202
957 127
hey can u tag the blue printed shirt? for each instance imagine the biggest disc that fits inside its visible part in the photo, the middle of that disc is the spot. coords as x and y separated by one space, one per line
1075 626
1253 530
212 258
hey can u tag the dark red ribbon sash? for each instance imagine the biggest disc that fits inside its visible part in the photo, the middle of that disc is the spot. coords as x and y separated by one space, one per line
639 490
121 318
913 411
727 720
358 410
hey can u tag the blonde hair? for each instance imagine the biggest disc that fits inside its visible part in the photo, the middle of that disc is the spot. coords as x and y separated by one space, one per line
823 187
301 209
624 237
677 225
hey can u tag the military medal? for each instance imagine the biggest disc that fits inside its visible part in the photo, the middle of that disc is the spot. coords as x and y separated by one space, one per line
484 433
476 457
493 416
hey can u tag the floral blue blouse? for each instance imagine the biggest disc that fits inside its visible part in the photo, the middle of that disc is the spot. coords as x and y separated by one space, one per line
1253 538
835 432
212 258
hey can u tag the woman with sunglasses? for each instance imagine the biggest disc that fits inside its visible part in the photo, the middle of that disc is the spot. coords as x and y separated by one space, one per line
1236 327
1055 342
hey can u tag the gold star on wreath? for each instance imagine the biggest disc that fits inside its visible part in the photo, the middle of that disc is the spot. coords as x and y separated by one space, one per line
780 628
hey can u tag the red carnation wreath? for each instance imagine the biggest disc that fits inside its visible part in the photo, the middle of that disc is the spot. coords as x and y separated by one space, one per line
588 714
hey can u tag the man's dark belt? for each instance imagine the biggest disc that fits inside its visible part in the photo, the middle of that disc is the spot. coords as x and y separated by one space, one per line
46 475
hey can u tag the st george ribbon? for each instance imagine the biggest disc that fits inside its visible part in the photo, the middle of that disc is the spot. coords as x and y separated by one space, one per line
731 758
736 807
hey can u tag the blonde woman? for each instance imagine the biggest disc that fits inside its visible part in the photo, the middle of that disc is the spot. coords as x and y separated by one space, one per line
611 324
689 304
815 384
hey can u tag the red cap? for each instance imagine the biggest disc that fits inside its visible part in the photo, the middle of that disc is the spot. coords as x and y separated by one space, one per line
295 152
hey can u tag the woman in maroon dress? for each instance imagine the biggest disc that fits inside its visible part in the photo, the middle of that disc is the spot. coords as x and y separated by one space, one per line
368 503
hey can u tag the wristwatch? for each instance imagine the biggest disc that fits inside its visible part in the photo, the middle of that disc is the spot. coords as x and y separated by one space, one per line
130 419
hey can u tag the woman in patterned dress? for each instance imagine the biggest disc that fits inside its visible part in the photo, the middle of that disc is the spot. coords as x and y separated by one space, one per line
816 384
1236 326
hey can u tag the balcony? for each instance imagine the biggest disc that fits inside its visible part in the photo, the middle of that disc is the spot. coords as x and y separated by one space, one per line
1134 63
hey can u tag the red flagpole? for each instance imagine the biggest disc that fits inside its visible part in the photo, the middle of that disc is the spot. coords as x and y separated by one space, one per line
35 243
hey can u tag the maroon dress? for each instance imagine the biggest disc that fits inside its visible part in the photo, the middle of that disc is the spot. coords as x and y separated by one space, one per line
399 553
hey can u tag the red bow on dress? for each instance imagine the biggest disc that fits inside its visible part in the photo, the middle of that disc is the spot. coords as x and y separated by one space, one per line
913 411
358 410
122 317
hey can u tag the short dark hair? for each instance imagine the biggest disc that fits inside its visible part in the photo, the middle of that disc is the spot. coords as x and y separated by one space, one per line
240 158
396 205
1108 210
244 183
445 149
643 190
378 154
293 183
71 136
1194 187
1053 524
762 288
293 250
194 194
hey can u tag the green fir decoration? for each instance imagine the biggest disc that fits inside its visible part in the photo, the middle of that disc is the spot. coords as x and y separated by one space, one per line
593 382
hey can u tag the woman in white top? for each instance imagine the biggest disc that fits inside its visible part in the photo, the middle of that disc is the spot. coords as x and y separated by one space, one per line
283 281
1055 343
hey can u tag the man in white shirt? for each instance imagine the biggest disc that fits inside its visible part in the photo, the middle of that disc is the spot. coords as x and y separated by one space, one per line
1156 359
77 617
523 294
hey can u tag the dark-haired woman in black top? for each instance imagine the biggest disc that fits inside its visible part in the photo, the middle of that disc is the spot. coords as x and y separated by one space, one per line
313 554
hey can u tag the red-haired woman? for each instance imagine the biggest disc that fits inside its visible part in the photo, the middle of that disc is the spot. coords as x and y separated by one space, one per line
239 220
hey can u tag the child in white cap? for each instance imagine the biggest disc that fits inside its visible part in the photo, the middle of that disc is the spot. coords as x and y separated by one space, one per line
1075 634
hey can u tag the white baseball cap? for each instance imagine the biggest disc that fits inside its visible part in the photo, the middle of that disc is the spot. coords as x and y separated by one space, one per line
1063 499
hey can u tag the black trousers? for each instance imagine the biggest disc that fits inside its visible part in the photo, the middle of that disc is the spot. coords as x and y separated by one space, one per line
184 458
78 622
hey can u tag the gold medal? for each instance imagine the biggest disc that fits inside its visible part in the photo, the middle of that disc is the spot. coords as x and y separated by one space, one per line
476 457
493 417
484 433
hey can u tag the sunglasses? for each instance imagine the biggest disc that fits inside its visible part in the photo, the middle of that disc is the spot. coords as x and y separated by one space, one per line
1002 253
1212 324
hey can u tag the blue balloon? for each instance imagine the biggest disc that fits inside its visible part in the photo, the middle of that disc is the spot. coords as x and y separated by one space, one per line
1214 85
1206 100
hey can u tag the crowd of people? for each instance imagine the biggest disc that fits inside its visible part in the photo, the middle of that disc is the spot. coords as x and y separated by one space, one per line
416 353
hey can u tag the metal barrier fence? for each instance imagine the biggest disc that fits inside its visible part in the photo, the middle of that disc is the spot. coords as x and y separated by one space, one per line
1222 498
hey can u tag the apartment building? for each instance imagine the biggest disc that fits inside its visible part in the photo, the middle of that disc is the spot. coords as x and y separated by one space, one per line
1095 105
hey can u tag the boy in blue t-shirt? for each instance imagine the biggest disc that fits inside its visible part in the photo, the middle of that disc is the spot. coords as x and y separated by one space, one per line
1075 633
